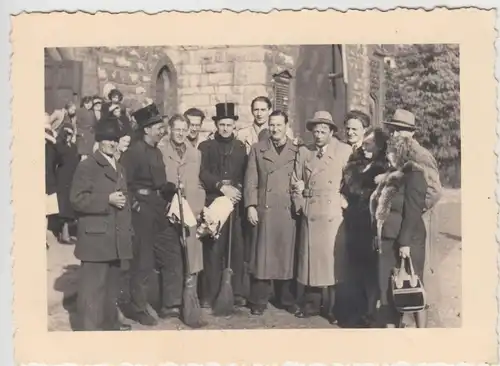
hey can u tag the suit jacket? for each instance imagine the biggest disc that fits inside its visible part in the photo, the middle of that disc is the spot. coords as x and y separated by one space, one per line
104 231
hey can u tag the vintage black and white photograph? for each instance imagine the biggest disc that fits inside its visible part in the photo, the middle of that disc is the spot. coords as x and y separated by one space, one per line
253 187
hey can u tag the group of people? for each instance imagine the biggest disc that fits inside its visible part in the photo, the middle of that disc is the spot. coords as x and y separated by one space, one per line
295 205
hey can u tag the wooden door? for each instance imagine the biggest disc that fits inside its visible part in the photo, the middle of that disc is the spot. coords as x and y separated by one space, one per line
63 83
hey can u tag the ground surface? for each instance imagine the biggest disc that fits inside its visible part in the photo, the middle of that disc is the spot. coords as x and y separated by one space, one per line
444 286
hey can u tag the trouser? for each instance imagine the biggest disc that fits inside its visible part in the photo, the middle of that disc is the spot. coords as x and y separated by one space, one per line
315 299
98 292
170 262
215 261
147 224
262 290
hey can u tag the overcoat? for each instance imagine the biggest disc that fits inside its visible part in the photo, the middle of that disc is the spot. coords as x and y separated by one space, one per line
188 168
104 231
252 134
67 161
267 187
320 203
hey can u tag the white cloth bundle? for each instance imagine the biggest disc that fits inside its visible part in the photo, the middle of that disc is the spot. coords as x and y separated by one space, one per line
214 217
174 212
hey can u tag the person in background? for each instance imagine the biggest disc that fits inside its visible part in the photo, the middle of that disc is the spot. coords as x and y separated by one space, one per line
315 192
358 183
123 145
115 98
64 115
51 204
196 118
356 124
223 163
97 108
148 190
268 203
182 161
259 129
85 123
403 124
104 245
67 161
397 206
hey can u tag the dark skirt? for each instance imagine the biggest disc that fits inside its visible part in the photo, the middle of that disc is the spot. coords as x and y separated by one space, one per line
390 259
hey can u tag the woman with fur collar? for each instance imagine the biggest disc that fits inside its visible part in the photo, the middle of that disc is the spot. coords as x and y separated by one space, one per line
358 183
397 206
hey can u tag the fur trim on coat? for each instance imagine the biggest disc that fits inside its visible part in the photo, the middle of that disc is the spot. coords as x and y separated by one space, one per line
381 198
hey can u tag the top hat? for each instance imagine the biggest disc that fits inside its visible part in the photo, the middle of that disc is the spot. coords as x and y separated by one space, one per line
225 110
321 117
147 116
402 118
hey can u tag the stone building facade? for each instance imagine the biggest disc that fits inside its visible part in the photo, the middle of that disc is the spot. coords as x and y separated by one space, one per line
298 78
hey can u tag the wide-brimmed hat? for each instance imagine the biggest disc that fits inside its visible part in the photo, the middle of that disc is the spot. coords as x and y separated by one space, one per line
147 116
402 118
321 117
225 110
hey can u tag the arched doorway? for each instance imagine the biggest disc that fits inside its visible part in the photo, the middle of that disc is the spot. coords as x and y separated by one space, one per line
164 87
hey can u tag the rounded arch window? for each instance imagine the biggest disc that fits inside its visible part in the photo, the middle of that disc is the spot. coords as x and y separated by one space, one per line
166 91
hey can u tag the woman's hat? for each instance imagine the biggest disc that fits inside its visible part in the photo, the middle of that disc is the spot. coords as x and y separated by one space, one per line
115 92
402 118
147 116
108 130
321 117
225 110
96 100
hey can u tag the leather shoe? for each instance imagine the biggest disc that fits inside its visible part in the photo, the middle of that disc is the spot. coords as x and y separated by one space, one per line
240 301
306 313
257 310
173 312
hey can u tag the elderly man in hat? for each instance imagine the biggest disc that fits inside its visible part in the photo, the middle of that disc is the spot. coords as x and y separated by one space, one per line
104 244
148 188
223 162
316 196
403 124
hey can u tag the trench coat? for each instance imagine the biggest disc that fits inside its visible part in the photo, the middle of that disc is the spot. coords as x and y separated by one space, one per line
252 134
189 169
267 187
320 247
104 231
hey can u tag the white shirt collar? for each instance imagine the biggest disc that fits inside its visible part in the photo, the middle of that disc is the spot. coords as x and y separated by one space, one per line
110 159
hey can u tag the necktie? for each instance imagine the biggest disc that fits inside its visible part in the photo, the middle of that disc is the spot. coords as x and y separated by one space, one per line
320 153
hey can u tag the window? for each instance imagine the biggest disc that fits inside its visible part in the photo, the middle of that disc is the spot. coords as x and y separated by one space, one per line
281 90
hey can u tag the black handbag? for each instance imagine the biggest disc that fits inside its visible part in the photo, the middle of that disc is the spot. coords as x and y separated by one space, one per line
408 292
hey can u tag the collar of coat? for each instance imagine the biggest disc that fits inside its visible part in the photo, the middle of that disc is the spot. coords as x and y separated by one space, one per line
110 172
168 151
387 188
268 145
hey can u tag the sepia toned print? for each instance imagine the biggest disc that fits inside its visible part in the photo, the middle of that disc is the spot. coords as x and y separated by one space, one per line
297 185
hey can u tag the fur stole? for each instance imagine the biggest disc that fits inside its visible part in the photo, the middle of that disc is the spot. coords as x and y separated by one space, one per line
388 187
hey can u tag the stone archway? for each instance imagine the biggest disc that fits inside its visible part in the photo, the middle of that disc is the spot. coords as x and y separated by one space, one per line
164 87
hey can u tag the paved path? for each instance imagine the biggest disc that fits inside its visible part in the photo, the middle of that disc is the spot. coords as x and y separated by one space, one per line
444 288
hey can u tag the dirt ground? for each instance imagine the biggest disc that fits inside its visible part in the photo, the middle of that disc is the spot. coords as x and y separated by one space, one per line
443 287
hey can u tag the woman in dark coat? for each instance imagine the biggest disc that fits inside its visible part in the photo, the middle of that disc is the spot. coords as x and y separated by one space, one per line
85 124
52 207
67 161
358 183
397 206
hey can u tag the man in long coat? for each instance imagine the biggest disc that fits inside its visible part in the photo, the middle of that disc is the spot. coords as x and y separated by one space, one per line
316 195
148 188
268 202
223 162
182 161
104 246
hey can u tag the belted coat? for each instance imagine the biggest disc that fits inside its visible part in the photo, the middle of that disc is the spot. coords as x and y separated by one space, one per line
104 231
188 168
267 187
320 245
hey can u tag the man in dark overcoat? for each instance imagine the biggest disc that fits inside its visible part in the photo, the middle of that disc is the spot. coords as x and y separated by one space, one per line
223 162
104 246
147 183
268 202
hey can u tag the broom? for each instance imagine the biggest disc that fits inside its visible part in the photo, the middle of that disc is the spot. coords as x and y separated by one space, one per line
224 303
191 309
